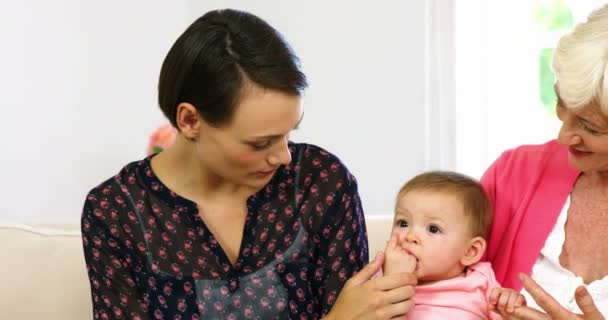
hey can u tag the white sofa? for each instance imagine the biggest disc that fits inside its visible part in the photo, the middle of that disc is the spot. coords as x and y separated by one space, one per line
43 275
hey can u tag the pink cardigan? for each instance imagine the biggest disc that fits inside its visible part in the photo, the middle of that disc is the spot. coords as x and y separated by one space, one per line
528 187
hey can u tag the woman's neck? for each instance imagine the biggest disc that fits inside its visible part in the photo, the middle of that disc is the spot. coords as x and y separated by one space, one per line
179 168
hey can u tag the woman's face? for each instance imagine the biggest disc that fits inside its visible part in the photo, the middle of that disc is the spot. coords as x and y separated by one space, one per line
585 131
248 150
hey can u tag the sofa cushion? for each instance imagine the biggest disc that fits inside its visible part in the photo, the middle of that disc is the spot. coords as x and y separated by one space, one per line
43 273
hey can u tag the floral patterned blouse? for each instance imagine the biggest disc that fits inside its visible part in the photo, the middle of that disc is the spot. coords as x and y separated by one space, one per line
149 255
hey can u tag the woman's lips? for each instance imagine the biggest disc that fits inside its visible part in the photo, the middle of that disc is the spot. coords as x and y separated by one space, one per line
578 154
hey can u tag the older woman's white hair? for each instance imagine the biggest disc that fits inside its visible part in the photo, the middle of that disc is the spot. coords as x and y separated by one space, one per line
580 63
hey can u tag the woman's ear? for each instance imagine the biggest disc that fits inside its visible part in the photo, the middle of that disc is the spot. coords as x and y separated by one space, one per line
476 249
188 121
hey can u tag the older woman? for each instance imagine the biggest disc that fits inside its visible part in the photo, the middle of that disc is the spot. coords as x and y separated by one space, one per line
551 200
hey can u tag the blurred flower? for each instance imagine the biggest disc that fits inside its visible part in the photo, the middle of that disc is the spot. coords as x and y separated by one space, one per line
161 138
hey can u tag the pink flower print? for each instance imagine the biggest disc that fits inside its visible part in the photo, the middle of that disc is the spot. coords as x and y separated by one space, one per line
97 241
291 280
288 211
152 222
280 305
329 199
188 246
140 205
323 174
256 250
218 306
280 267
236 302
167 289
175 217
319 208
316 162
181 304
201 262
99 214
272 244
162 301
331 299
340 234
188 288
272 217
231 317
104 315
190 234
326 232
248 312
347 244
224 291
314 190
155 209
303 274
165 237
106 300
342 275
333 167
270 273
282 196
264 235
318 274
196 274
162 138
158 314
131 216
170 226
249 292
352 257
307 181
177 317
141 247
265 304
135 316
181 256
162 253
287 240
152 283
113 214
106 190
155 267
175 267
131 179
95 284
335 265
293 306
270 292
206 293
279 226
116 263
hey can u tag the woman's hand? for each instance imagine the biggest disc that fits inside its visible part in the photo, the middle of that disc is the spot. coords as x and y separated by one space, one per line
553 310
386 297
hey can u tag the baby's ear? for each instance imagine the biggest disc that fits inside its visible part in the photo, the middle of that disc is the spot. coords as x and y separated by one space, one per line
477 246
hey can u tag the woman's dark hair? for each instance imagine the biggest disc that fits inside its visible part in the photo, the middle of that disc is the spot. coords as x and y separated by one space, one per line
209 64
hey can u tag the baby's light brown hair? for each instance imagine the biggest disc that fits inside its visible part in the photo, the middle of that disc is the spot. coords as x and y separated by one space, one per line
476 204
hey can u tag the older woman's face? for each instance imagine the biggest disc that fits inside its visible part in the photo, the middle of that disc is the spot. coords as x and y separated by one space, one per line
585 131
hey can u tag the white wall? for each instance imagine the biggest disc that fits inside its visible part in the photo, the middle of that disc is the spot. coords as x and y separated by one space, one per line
79 81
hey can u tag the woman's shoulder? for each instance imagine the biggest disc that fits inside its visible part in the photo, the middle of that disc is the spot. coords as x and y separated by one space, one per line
531 153
111 187
314 160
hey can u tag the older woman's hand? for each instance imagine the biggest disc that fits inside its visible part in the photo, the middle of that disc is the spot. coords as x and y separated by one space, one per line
386 297
553 310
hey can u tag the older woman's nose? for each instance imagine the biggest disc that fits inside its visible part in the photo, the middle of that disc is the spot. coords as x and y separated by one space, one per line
569 133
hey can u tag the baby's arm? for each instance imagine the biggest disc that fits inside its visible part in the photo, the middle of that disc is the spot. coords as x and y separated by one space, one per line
505 300
396 259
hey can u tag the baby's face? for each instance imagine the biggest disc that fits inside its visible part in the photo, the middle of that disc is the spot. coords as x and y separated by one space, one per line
432 227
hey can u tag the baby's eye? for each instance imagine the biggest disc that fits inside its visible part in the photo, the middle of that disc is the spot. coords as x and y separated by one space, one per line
434 229
402 223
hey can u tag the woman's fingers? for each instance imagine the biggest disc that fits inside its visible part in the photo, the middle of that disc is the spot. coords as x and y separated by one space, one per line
542 298
586 304
367 272
527 313
393 281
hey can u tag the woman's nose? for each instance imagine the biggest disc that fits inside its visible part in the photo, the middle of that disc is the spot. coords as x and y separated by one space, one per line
280 155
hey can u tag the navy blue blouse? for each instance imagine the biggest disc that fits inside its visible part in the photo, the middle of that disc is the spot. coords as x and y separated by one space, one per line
149 255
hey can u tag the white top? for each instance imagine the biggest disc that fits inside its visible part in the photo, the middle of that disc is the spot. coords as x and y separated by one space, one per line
559 281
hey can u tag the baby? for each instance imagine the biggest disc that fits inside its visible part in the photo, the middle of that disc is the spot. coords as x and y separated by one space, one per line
441 221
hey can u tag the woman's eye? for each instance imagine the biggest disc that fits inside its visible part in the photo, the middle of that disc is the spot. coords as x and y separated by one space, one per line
434 229
588 129
261 145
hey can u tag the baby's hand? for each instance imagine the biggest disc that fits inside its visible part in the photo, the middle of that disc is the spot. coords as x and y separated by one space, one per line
396 259
504 301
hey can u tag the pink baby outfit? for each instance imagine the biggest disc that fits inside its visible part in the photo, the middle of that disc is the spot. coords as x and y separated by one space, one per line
461 298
